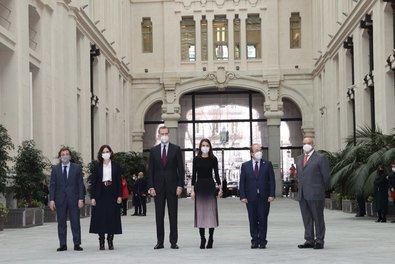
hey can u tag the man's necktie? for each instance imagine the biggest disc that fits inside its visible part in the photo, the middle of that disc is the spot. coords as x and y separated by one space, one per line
256 169
305 159
164 156
65 172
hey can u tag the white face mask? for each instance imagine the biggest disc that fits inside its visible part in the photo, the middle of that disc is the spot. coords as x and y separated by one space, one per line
106 156
393 169
307 148
258 155
205 149
164 139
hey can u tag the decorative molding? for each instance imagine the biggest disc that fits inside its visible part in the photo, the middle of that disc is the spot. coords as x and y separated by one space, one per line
221 77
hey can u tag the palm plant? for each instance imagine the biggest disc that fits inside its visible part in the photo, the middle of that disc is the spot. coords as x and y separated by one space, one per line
355 171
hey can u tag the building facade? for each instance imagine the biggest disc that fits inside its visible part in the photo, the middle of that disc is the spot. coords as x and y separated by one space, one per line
88 72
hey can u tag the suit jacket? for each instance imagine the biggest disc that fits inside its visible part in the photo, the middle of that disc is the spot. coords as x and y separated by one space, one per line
314 178
265 182
62 190
97 179
167 177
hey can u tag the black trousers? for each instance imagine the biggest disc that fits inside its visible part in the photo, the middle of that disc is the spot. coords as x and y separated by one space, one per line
258 212
171 198
62 211
124 206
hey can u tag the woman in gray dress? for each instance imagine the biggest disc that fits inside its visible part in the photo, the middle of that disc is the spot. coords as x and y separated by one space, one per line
205 191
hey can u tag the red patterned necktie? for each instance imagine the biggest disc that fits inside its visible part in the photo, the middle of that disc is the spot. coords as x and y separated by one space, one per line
305 159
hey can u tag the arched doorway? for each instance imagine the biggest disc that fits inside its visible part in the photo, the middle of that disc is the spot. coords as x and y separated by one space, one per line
232 119
291 138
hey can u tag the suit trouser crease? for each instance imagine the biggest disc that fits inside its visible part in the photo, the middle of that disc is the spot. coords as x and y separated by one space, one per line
313 219
258 212
73 213
172 207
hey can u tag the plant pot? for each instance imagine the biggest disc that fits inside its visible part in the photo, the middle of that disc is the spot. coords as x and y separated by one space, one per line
24 217
370 210
349 206
49 216
330 203
1 223
85 211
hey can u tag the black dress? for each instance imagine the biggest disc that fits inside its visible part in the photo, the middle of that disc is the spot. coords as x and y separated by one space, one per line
106 215
206 210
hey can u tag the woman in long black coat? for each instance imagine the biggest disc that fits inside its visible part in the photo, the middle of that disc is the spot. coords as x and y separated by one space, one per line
106 197
381 194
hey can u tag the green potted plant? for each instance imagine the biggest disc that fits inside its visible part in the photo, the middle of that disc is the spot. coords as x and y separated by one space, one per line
5 146
28 187
3 215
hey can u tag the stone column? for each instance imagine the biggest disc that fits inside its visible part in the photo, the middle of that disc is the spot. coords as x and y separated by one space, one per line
273 107
210 43
137 141
243 41
171 108
231 42
198 42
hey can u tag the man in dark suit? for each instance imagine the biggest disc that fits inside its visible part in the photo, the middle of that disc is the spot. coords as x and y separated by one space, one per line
165 183
257 190
66 195
313 175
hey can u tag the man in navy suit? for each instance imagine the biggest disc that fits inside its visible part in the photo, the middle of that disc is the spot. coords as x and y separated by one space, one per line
66 195
257 190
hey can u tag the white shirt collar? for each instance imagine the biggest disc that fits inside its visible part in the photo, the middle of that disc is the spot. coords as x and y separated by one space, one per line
311 153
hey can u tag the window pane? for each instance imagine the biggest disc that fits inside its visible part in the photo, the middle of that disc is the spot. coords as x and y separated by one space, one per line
253 37
220 36
188 44
229 135
257 106
236 29
260 133
221 106
186 107
185 135
146 31
295 30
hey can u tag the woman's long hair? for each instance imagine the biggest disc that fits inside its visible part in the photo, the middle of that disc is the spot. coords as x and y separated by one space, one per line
210 153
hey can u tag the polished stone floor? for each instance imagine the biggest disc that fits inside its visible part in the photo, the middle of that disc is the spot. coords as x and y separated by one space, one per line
349 240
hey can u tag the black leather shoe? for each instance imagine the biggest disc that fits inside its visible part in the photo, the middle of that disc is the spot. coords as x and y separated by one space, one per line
62 248
254 246
78 248
306 245
318 246
159 246
174 246
384 220
262 246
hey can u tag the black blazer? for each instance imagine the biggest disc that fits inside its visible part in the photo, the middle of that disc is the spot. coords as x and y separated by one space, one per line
70 189
167 177
97 179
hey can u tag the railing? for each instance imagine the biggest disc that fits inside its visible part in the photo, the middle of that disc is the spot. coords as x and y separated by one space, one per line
32 39
5 14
